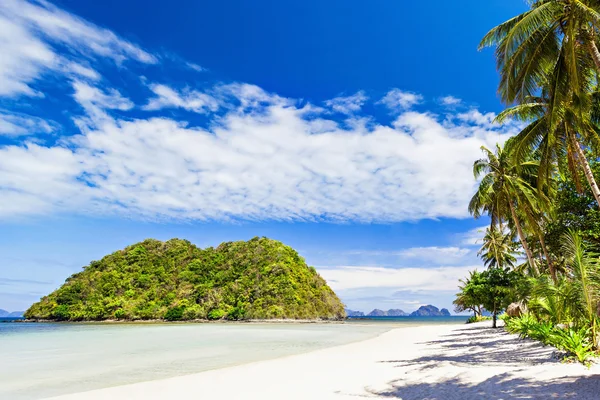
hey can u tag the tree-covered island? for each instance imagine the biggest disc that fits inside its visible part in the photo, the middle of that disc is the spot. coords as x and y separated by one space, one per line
175 280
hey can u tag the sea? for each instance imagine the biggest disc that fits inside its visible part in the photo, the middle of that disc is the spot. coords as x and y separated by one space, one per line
39 360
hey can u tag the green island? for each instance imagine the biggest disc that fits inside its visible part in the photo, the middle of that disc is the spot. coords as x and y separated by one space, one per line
175 280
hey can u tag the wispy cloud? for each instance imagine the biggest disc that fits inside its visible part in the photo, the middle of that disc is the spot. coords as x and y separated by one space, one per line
347 104
473 237
255 156
191 100
439 255
440 278
398 100
18 124
30 33
450 101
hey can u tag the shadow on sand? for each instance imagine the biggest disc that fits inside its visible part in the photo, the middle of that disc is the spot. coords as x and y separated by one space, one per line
473 348
500 387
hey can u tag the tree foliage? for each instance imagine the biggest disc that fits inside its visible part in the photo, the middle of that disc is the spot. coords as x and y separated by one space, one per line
175 280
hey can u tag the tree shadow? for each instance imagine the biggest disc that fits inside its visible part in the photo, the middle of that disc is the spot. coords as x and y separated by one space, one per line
470 348
499 387
487 346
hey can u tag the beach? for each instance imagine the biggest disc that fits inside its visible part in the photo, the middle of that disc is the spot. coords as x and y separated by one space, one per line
431 362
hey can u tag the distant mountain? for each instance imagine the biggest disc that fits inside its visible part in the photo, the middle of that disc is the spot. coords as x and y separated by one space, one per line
352 313
8 314
389 313
396 313
16 314
430 311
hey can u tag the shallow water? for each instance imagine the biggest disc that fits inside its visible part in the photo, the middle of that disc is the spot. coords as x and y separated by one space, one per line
48 359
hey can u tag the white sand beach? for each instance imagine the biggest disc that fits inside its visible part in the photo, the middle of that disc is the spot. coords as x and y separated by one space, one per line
414 363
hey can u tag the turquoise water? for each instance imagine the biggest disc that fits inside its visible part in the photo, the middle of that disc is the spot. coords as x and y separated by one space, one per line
47 359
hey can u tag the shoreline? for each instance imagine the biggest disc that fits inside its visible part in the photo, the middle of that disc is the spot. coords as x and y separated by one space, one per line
244 321
409 363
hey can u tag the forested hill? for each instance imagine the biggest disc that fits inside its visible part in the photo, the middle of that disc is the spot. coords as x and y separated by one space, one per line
175 280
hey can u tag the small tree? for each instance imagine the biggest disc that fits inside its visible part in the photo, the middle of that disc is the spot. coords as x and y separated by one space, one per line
470 297
498 290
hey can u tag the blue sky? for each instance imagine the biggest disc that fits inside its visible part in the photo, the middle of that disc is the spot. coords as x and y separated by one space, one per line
346 129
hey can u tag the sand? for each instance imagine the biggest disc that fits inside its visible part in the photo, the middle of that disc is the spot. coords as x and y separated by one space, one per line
444 362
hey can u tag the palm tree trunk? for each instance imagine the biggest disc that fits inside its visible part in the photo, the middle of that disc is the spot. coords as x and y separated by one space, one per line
522 238
588 172
595 53
548 260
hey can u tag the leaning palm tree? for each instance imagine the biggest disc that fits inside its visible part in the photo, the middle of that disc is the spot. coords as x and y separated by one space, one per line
549 62
502 189
498 249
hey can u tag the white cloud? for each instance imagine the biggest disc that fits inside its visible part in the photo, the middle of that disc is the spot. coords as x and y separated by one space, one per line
29 33
191 100
87 95
438 279
473 237
24 58
273 164
475 116
347 104
398 100
439 255
259 156
195 67
17 124
450 101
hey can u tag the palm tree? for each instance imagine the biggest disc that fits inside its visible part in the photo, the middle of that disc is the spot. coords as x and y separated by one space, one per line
548 61
563 140
498 249
552 35
502 189
584 269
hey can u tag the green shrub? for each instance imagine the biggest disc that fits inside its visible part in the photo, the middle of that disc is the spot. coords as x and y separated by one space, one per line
236 313
120 314
175 313
575 342
217 313
61 313
472 319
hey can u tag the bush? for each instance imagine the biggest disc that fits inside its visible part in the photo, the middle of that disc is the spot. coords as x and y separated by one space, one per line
472 319
216 314
236 313
576 342
120 314
175 313
61 313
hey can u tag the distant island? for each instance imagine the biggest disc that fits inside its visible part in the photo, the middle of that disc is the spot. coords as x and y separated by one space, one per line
175 280
8 314
388 313
430 311
423 311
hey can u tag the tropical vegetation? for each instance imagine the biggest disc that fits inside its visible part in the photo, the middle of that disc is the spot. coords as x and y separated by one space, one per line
539 189
175 280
